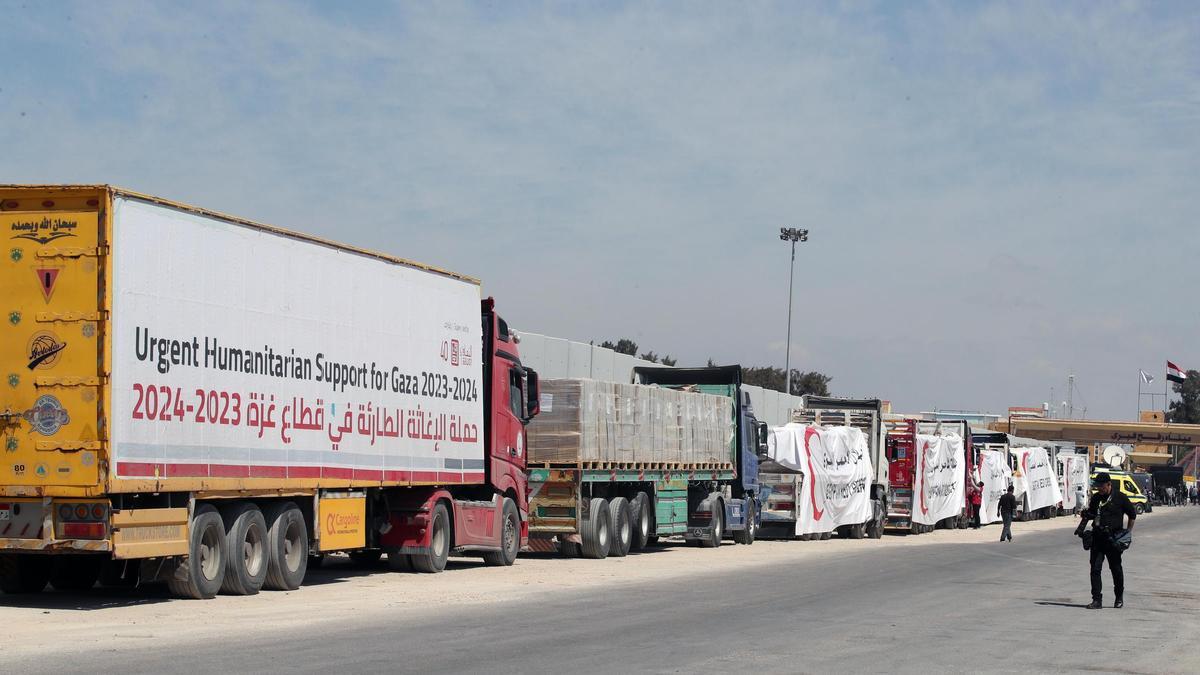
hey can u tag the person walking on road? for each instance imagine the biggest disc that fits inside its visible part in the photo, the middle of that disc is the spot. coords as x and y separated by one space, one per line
976 504
1006 508
1107 510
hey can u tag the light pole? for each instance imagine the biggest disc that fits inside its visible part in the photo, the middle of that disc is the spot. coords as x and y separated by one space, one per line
793 235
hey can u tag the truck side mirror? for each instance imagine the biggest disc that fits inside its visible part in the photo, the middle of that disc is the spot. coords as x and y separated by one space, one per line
533 404
763 433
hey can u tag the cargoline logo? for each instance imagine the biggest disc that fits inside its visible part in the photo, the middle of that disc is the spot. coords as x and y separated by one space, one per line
342 523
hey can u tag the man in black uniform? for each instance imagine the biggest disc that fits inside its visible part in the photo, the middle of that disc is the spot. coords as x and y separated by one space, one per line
1107 508
1006 508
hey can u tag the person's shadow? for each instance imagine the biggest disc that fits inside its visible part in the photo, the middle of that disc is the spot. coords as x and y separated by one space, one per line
1053 603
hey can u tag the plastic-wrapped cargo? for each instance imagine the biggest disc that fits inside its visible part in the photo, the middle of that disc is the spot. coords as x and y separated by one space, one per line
591 421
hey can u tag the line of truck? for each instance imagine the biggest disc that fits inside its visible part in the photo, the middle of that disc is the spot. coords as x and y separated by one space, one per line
210 402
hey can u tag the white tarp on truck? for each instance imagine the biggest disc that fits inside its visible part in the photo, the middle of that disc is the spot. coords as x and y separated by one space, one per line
939 491
239 352
1039 480
1074 475
837 474
995 476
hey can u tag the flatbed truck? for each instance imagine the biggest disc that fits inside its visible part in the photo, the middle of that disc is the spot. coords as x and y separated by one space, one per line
601 509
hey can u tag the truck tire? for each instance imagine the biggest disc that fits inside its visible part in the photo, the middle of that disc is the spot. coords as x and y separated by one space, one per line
75 572
620 528
200 575
510 537
287 547
368 557
716 532
245 549
643 527
825 536
595 532
856 531
399 562
569 549
746 535
875 530
23 573
435 559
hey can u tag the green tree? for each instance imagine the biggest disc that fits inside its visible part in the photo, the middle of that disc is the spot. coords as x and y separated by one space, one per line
621 346
1187 409
803 382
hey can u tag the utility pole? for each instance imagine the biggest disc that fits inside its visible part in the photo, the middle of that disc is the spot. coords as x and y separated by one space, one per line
1070 395
793 235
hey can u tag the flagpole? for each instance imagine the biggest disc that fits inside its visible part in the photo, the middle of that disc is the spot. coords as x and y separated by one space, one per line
1139 409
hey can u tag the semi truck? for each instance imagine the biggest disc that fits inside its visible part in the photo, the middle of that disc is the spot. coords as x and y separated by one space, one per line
782 488
205 400
602 508
902 449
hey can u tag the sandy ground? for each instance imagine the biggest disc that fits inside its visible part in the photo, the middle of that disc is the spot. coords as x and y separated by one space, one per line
118 619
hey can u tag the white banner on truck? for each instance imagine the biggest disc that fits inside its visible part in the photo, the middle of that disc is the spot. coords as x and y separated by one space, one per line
1074 478
1040 483
837 474
940 478
995 475
241 353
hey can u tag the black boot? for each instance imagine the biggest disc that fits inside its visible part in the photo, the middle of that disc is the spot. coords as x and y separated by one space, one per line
1096 604
1119 603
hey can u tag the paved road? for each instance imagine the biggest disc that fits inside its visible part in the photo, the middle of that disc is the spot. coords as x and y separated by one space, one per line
936 607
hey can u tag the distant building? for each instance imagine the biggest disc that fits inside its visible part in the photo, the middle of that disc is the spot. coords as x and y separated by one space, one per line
973 417
1026 411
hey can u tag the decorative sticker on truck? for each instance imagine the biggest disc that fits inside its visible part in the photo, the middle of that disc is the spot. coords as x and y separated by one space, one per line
837 472
44 350
47 415
47 279
44 230
242 353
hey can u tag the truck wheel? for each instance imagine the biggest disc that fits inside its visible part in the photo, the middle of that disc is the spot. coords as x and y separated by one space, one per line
825 536
75 572
20 573
399 562
287 547
746 535
595 532
510 537
569 549
875 530
439 543
716 533
366 557
857 531
200 574
620 528
639 510
245 548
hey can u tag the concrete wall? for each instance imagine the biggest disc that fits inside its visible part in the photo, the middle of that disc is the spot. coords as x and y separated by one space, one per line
558 358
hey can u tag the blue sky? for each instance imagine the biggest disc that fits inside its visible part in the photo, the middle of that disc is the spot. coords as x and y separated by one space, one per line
997 193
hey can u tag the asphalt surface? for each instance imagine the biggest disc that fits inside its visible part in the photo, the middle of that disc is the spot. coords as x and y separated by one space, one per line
992 607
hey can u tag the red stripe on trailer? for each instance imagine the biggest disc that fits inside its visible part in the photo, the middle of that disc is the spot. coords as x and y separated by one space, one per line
186 470
139 469
304 472
396 476
229 471
337 472
425 476
268 472
368 474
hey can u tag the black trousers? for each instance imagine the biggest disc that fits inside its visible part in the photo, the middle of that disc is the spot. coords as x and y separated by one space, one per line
975 516
1102 550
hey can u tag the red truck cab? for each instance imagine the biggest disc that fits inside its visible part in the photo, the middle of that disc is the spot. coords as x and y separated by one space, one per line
424 527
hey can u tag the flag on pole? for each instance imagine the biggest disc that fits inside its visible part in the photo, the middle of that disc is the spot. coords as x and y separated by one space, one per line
1146 377
1175 373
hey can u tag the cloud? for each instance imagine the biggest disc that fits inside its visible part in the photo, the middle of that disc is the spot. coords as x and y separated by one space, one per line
980 181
